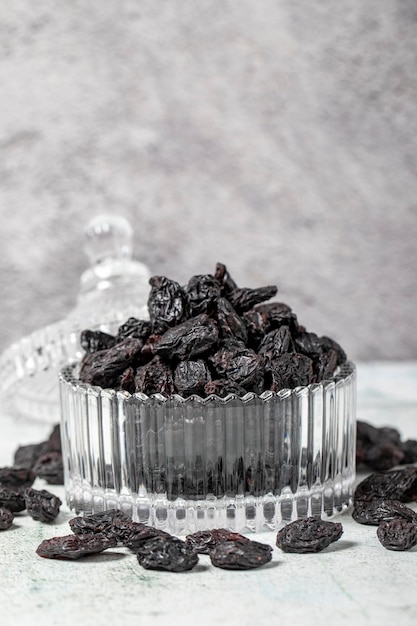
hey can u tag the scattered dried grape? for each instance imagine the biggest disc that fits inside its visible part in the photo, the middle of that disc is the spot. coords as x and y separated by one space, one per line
397 534
6 518
400 484
204 541
17 478
101 523
74 546
12 499
42 505
50 467
240 555
166 553
374 512
26 456
308 535
381 449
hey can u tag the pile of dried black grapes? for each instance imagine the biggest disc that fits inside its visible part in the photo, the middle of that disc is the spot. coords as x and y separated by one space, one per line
209 337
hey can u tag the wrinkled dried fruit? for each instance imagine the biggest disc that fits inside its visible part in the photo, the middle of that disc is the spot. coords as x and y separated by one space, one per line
101 523
16 477
308 535
42 505
166 553
374 512
6 518
12 499
398 484
74 546
166 304
397 534
204 541
188 340
95 340
240 555
50 467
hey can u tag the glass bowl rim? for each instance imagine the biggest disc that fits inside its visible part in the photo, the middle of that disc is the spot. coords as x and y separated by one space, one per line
344 373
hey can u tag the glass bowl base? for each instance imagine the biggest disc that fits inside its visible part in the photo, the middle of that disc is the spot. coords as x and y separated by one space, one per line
239 514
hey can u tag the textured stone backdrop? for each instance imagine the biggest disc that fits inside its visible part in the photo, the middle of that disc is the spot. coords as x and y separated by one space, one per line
279 137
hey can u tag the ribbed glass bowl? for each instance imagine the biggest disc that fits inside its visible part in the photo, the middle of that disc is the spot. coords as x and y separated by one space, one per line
183 465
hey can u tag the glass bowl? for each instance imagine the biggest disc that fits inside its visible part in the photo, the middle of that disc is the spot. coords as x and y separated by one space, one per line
186 464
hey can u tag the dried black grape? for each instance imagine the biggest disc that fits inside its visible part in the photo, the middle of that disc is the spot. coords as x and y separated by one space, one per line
289 371
397 534
42 505
54 443
50 467
378 448
240 554
127 380
6 518
191 377
139 329
12 499
409 449
26 456
276 343
74 546
188 340
330 344
133 535
224 279
244 299
101 523
383 456
16 477
166 304
166 553
201 292
325 365
103 368
374 512
155 377
400 484
266 317
308 535
231 325
239 365
203 541
308 344
95 340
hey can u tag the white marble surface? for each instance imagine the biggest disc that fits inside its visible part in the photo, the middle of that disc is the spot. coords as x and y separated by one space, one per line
355 581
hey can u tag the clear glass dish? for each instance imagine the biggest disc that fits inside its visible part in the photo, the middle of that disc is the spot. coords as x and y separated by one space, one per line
183 465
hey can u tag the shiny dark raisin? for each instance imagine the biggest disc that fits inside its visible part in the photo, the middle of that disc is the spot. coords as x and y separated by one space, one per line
166 553
240 554
74 546
374 512
42 505
6 518
204 541
397 534
308 535
50 467
101 523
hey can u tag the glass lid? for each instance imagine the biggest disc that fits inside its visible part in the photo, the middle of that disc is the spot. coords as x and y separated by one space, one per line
113 288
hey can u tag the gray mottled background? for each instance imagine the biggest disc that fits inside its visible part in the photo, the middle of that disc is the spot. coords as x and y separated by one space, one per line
278 137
